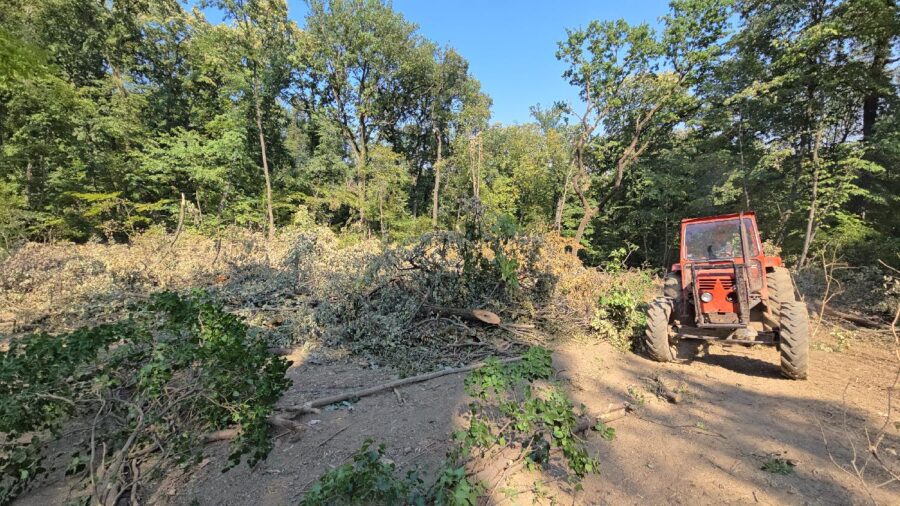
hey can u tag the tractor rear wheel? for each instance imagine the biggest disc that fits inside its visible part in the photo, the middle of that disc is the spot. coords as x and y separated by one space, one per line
656 336
781 289
794 342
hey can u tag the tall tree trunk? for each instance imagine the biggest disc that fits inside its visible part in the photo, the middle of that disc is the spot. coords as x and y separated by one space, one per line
381 215
265 164
435 197
29 176
417 179
814 202
589 214
361 160
880 54
745 172
475 160
628 157
561 203
589 211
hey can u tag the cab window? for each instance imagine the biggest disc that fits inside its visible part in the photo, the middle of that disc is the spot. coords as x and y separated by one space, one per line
718 240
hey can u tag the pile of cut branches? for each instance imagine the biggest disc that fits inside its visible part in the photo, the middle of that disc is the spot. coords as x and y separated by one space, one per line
135 397
401 305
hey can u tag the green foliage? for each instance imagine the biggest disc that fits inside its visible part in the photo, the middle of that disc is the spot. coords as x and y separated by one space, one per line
507 403
369 479
41 376
372 479
453 488
778 465
499 417
178 369
495 377
606 432
619 316
242 379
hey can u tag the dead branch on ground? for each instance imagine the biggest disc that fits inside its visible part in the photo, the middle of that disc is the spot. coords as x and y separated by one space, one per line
583 423
861 321
311 406
277 421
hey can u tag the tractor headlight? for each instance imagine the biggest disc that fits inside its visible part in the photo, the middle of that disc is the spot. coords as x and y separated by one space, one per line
706 297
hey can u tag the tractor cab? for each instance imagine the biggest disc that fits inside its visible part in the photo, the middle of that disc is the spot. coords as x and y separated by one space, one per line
722 269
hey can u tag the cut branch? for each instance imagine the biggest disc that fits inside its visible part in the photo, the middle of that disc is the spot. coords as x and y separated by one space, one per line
277 421
311 406
585 422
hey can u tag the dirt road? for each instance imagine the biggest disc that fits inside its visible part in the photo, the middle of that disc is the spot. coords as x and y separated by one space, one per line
735 414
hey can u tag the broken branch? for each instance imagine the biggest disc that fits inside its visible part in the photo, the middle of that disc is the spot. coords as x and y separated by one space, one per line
310 406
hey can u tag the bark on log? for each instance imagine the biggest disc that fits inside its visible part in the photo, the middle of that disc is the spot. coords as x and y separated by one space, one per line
278 421
472 315
310 407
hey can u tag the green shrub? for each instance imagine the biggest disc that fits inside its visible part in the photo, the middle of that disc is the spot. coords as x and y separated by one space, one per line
618 317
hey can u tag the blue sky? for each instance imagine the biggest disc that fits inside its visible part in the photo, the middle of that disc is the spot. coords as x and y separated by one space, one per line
511 45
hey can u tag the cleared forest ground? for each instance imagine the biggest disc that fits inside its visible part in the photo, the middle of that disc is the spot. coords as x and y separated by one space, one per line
736 414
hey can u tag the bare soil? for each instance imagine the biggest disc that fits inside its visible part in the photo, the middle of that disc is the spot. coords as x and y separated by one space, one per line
736 412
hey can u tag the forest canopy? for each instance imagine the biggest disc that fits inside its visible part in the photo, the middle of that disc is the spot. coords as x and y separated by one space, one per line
122 116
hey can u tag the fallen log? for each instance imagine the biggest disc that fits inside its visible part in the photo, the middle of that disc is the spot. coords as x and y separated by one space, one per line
584 423
673 396
472 315
311 406
852 318
277 421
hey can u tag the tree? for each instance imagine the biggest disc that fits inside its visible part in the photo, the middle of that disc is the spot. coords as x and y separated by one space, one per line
637 85
555 127
354 53
449 85
807 91
266 37
388 180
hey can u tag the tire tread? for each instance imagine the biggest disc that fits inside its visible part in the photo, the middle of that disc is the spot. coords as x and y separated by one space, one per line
656 336
794 344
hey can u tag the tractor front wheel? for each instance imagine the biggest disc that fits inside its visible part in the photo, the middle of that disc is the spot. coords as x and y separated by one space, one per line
656 337
672 286
794 342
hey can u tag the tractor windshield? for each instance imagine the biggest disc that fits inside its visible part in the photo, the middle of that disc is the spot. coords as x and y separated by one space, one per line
718 240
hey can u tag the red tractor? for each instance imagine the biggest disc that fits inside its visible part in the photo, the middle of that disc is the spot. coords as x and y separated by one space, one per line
726 289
